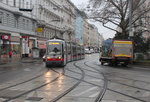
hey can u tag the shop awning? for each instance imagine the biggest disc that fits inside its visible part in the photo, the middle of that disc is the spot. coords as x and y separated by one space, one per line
42 46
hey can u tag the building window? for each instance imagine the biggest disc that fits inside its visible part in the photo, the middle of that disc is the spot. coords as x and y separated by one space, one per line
14 3
7 18
16 23
23 23
1 17
27 24
33 26
7 1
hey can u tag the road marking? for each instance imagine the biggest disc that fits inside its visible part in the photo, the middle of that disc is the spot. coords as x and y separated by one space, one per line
146 94
2 99
108 101
96 80
93 88
94 95
30 94
27 69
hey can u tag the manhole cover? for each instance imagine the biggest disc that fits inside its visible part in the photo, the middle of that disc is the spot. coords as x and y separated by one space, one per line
34 98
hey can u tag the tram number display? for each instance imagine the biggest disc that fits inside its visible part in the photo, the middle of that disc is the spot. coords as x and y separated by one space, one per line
54 43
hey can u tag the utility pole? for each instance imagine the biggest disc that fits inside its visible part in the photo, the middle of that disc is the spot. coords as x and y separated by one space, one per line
130 18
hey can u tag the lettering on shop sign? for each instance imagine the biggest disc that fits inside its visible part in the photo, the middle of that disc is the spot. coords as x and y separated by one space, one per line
5 37
25 36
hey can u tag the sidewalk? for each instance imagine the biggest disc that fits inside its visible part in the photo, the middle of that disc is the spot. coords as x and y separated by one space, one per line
13 61
143 63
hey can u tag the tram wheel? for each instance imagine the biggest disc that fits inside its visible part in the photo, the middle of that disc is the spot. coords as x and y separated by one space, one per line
102 63
46 65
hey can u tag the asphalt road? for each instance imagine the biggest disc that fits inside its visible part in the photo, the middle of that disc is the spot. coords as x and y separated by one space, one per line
79 81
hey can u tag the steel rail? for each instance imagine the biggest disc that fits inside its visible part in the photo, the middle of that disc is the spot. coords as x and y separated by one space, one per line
126 85
125 70
23 82
73 87
108 88
7 100
104 87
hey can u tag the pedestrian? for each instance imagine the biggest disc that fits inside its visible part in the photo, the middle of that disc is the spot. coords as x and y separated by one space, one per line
10 54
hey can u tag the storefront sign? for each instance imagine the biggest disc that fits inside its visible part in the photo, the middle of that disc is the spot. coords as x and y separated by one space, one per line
39 29
41 44
25 36
5 37
15 39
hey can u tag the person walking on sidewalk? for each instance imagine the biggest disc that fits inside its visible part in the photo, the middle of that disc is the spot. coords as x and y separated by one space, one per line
10 54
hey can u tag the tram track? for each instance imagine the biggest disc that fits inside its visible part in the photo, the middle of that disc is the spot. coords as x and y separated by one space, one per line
98 99
111 90
104 87
125 85
112 81
71 88
100 95
21 82
14 70
30 79
117 75
31 90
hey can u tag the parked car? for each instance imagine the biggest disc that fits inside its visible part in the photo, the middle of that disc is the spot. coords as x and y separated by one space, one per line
92 51
87 51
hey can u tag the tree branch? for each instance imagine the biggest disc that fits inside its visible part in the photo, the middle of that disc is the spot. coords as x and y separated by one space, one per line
96 19
140 15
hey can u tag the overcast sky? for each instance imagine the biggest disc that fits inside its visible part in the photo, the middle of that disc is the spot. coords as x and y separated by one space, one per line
103 31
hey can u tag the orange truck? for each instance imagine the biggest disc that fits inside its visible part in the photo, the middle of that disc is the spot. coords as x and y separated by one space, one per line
116 52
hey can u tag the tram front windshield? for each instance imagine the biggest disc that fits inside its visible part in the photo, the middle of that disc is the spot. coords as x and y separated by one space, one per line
54 48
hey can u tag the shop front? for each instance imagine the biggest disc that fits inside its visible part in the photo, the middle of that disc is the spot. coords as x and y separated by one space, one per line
25 46
32 44
4 46
15 45
27 43
42 47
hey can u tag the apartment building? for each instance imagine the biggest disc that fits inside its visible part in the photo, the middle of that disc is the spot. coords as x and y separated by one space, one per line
17 30
56 18
91 36
25 24
86 34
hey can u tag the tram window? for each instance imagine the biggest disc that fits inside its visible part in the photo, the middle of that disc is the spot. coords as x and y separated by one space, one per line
69 48
54 49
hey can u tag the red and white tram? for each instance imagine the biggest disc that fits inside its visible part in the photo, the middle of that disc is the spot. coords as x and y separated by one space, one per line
60 52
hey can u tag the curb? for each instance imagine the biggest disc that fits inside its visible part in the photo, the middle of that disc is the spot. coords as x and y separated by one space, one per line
142 64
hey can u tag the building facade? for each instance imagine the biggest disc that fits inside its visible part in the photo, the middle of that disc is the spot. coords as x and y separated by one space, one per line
55 18
91 36
25 24
17 30
86 36
79 27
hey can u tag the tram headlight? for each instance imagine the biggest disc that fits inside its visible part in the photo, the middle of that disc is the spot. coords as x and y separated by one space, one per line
48 57
59 57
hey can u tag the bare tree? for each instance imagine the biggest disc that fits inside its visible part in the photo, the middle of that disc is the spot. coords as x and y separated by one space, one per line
117 13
